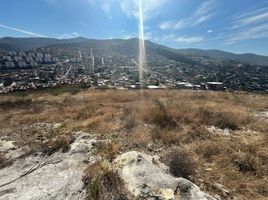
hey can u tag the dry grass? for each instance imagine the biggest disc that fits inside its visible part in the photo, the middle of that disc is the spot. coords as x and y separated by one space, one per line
103 183
238 162
107 149
159 115
19 103
181 163
62 143
3 161
166 119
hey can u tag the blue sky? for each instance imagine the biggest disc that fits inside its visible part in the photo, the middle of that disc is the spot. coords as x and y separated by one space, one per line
233 25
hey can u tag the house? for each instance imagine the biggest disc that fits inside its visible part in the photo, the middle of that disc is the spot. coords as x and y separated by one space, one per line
22 64
214 86
10 64
151 87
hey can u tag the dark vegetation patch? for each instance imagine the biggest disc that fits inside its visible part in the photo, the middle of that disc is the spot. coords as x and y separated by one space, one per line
108 149
101 183
221 118
72 89
3 161
181 163
248 163
21 103
62 143
159 115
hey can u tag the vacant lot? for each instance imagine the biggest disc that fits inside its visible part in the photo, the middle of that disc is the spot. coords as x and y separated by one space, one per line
211 138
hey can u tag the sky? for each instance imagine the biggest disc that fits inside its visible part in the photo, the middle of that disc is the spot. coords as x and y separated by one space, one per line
239 26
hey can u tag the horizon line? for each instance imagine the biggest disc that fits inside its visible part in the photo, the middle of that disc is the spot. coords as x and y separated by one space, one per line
131 38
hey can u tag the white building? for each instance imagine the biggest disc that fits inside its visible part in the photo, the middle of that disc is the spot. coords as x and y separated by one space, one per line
153 87
22 53
7 58
31 55
10 64
39 55
47 59
54 59
12 53
47 56
33 64
22 64
18 58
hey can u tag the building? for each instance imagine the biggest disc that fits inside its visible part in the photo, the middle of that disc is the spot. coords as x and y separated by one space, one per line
54 59
153 87
18 58
7 58
22 64
10 64
29 59
33 64
12 53
21 53
39 55
184 85
214 86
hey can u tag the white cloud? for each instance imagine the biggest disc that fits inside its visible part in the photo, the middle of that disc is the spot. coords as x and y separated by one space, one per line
189 40
106 7
91 2
203 13
69 35
168 37
209 31
252 17
260 31
128 36
21 31
182 39
247 26
150 7
130 8
166 25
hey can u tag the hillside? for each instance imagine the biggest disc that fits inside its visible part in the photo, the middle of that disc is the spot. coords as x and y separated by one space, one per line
121 145
222 55
129 48
15 44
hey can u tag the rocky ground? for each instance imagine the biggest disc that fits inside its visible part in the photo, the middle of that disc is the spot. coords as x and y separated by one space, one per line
115 145
59 176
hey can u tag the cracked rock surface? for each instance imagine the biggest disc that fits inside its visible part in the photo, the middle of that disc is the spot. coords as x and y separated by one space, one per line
55 177
147 178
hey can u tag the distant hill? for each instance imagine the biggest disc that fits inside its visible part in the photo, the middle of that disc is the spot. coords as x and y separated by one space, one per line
128 48
14 44
247 58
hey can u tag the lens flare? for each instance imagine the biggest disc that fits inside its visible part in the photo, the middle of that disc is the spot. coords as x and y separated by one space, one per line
142 56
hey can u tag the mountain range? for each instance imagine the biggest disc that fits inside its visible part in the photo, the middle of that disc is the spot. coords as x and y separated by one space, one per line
128 47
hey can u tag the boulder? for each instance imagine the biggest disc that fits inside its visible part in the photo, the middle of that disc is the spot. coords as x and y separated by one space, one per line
58 176
147 178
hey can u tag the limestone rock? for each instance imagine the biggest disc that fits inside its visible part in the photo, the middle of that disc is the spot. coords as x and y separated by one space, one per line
55 177
9 149
215 130
147 178
5 146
